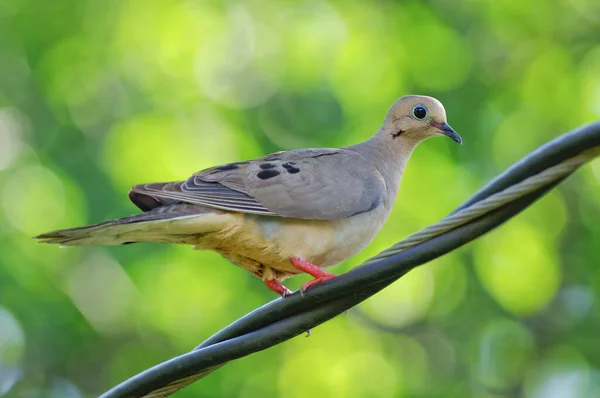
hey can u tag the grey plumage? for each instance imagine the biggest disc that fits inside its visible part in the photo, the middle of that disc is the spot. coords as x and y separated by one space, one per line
273 214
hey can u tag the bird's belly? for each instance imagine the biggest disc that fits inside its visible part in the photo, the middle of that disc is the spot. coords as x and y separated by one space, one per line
262 241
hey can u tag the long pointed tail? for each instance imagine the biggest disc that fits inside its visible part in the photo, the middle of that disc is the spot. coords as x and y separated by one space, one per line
179 223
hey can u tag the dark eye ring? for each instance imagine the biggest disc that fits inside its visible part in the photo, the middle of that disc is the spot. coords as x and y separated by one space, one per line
420 112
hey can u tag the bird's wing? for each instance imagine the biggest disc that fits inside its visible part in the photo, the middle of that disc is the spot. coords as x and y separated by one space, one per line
321 184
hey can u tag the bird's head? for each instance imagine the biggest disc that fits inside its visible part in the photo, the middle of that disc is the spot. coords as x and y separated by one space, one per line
415 118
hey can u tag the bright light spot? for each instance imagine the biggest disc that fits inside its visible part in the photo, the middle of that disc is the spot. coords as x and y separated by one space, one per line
450 278
180 278
315 382
314 53
11 132
61 388
589 81
363 80
543 88
154 148
33 199
444 43
411 361
355 381
577 300
405 301
235 68
439 358
595 164
12 348
505 349
517 267
330 345
510 129
562 372
587 9
103 292
595 98
568 383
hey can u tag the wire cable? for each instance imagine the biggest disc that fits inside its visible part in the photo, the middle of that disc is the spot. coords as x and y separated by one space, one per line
278 321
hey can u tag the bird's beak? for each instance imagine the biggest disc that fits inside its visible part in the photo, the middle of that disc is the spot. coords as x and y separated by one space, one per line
447 131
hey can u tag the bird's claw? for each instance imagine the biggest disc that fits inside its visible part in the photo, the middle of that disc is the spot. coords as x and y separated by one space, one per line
316 281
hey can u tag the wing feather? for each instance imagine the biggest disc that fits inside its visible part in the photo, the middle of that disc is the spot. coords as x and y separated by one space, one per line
305 183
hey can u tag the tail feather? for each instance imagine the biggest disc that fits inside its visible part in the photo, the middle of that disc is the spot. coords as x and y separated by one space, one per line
176 223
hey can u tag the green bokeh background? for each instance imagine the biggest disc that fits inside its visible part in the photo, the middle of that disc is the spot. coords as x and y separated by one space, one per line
96 96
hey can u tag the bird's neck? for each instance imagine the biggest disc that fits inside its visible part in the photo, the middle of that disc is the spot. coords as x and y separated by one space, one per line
389 156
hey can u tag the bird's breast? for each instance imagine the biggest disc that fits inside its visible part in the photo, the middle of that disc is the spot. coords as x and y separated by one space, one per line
271 241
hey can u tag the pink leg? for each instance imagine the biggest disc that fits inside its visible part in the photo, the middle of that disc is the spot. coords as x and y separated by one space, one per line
277 287
311 269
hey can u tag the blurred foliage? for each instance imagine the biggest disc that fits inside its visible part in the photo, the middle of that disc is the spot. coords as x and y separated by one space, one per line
98 95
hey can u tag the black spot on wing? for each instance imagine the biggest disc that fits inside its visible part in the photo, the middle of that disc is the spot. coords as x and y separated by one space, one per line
265 174
272 158
267 166
289 166
227 167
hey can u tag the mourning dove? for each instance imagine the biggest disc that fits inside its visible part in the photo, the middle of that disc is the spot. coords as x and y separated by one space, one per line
289 212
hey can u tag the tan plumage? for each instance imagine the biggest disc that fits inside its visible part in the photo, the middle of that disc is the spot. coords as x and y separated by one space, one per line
319 205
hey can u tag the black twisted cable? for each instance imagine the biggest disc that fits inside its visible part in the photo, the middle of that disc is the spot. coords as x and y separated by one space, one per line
283 319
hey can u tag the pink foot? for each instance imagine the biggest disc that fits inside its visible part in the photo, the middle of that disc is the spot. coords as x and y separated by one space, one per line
277 287
311 269
316 281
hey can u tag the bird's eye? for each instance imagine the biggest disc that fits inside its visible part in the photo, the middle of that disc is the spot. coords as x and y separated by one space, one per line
419 112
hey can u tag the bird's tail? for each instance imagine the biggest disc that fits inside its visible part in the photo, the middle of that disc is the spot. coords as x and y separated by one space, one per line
178 223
